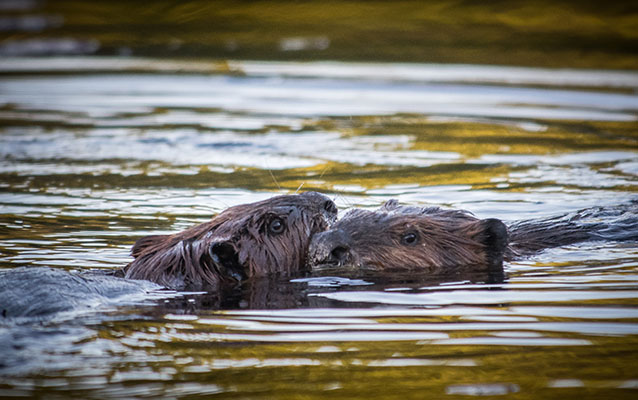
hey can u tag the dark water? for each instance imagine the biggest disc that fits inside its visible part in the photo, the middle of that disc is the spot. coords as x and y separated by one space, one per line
96 152
550 33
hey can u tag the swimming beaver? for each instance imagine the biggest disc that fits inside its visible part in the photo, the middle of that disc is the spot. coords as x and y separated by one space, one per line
397 237
269 236
256 239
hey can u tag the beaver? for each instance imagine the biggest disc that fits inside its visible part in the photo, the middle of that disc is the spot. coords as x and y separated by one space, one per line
41 292
255 239
410 238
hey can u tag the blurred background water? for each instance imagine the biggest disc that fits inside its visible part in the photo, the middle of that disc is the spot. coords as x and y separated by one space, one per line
122 119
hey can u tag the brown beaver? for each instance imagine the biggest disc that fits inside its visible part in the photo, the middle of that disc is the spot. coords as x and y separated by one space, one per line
411 238
256 239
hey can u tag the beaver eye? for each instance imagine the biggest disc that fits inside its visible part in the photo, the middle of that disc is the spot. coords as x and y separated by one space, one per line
409 239
276 226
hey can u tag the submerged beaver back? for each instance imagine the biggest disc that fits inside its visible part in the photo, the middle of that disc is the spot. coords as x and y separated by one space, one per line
256 239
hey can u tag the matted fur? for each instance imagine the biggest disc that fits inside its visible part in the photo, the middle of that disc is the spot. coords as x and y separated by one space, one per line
612 223
234 245
449 239
375 240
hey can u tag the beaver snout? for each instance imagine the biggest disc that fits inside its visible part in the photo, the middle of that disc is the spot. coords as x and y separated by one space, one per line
330 249
226 261
330 211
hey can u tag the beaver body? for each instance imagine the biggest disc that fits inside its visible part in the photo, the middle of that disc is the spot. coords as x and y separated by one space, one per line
409 238
40 292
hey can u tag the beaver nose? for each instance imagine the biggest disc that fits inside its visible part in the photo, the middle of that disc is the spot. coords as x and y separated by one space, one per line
330 211
329 249
330 207
339 254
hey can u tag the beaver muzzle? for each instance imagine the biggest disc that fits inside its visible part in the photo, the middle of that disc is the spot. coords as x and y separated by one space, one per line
330 250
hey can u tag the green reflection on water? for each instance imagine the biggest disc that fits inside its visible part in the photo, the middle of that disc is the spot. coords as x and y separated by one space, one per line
540 32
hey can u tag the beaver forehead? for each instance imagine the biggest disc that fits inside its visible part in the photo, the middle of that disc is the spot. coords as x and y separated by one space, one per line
284 212
374 222
306 203
312 200
356 218
432 213
296 219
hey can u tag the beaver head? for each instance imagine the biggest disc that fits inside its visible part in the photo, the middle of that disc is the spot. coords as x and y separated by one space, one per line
408 238
269 236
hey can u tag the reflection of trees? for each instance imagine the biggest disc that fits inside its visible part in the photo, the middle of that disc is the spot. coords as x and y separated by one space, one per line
538 32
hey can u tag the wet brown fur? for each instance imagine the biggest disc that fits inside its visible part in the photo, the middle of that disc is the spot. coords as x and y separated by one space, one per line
376 240
452 239
235 245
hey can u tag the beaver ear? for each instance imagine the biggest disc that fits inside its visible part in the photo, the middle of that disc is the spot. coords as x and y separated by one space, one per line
226 259
494 237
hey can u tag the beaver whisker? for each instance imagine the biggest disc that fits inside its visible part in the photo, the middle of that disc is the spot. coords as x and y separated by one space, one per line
299 188
274 179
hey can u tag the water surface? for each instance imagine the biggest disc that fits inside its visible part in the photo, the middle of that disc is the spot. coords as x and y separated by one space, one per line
97 152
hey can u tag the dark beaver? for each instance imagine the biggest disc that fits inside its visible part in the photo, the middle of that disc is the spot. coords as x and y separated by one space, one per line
397 237
41 292
256 239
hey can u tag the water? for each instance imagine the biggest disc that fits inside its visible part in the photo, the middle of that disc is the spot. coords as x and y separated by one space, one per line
97 152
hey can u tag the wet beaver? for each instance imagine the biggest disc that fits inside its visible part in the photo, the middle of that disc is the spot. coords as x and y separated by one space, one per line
256 239
40 292
410 238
